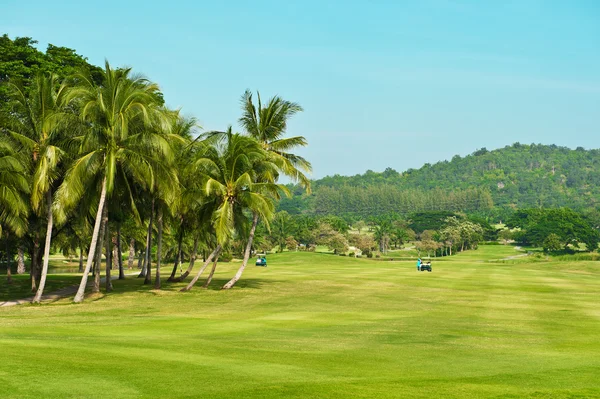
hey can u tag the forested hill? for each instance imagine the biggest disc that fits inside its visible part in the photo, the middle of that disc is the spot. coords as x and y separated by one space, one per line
516 176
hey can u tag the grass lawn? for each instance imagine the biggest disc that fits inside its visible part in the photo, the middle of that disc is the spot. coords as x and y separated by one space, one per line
317 325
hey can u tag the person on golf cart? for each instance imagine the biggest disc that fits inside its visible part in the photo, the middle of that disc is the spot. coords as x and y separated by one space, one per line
261 261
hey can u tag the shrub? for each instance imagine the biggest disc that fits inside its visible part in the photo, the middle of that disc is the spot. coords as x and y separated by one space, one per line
226 257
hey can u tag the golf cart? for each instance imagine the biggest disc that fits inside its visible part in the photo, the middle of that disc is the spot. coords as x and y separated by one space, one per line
261 261
425 266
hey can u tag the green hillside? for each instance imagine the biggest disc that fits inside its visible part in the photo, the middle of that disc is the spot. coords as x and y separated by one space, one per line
516 176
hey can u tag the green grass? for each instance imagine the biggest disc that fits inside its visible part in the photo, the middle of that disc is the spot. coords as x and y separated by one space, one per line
318 325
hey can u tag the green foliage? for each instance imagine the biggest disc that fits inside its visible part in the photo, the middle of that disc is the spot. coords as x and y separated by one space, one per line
516 176
552 243
537 224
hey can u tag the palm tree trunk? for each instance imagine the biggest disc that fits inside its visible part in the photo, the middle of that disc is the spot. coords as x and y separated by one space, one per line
238 275
38 295
81 291
119 253
178 256
131 254
214 253
159 222
140 260
212 272
98 265
107 242
148 260
20 261
192 261
34 262
8 265
80 259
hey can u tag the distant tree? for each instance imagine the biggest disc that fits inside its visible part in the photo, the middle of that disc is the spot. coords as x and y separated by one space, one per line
291 244
552 243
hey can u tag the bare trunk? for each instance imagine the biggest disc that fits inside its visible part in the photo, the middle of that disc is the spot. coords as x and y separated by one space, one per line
8 265
131 254
212 272
34 262
140 260
178 256
120 253
214 253
38 295
238 275
80 259
159 222
192 261
20 261
98 265
108 242
148 261
81 291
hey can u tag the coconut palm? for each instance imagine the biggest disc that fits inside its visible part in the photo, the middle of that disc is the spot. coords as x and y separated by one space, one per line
13 189
231 186
38 123
268 126
122 140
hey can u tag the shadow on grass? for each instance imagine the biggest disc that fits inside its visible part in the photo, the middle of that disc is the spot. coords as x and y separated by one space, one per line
132 284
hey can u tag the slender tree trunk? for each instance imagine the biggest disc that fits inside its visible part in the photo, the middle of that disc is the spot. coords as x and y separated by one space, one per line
115 254
8 265
81 291
98 266
20 261
107 242
131 254
212 272
80 258
38 295
34 262
192 261
178 256
238 275
214 253
148 261
120 253
159 222
140 260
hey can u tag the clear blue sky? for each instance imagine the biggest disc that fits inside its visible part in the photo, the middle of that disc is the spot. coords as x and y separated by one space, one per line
383 83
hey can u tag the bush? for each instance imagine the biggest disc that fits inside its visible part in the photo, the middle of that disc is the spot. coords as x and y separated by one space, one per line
351 254
225 257
370 255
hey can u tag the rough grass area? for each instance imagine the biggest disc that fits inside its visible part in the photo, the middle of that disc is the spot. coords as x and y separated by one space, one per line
316 325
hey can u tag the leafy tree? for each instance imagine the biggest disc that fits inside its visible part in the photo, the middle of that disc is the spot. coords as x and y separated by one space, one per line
122 141
268 125
552 243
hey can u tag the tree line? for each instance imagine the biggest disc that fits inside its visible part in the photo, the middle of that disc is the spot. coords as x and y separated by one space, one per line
518 176
91 158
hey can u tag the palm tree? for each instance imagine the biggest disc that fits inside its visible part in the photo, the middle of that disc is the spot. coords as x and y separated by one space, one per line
122 140
13 189
268 126
231 168
37 123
